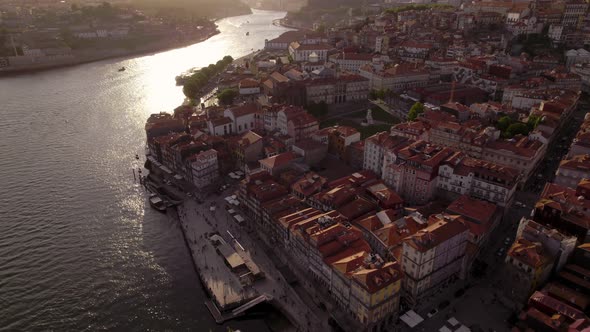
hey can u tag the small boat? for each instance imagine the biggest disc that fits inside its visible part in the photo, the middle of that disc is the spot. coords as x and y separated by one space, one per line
122 69
248 33
157 203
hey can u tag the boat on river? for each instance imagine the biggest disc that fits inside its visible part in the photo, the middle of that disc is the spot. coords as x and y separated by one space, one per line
157 203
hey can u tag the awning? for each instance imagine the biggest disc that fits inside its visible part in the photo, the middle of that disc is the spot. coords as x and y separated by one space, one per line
411 318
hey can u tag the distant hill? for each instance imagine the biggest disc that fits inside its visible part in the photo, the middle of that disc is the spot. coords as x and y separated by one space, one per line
203 8
332 3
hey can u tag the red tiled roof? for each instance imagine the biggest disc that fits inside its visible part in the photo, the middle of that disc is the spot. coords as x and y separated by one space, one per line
479 211
244 110
278 160
441 228
309 184
528 253
249 83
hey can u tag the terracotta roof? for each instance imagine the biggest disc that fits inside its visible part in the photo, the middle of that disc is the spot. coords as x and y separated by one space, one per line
387 197
473 210
519 145
357 208
566 294
249 83
375 278
309 184
216 122
441 228
278 160
242 110
310 47
354 56
579 162
249 138
278 77
529 253
553 306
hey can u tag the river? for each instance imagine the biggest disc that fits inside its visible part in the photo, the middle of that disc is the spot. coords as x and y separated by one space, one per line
80 248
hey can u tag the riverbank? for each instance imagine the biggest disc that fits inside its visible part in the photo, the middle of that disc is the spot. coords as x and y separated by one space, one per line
203 229
281 23
82 58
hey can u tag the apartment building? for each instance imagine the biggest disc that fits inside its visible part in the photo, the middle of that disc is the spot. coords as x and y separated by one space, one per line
433 256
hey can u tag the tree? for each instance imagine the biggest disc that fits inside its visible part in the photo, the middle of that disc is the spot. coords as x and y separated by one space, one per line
416 110
533 122
504 122
227 96
516 129
191 89
377 94
317 109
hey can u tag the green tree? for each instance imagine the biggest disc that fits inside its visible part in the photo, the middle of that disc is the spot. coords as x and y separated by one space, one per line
503 123
318 109
533 122
191 89
416 110
516 129
227 96
377 94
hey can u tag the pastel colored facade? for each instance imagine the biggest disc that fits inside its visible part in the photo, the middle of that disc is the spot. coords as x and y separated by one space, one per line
433 256
412 171
528 266
484 180
397 78
220 126
565 209
248 148
305 52
362 284
242 118
205 169
558 245
351 61
376 148
302 127
345 88
338 138
523 153
249 86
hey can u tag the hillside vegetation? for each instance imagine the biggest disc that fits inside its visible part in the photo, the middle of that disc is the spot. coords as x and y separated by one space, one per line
198 8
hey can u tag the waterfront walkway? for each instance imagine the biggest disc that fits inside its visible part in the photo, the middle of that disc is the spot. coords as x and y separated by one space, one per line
197 221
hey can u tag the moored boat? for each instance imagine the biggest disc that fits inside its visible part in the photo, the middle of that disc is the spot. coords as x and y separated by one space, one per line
157 203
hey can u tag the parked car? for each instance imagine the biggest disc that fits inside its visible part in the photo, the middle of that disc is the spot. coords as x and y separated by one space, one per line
500 252
507 241
432 313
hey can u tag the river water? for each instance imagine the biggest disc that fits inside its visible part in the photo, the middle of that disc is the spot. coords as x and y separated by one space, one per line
80 250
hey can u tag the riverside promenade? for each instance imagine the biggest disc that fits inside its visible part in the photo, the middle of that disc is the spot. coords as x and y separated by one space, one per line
198 222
